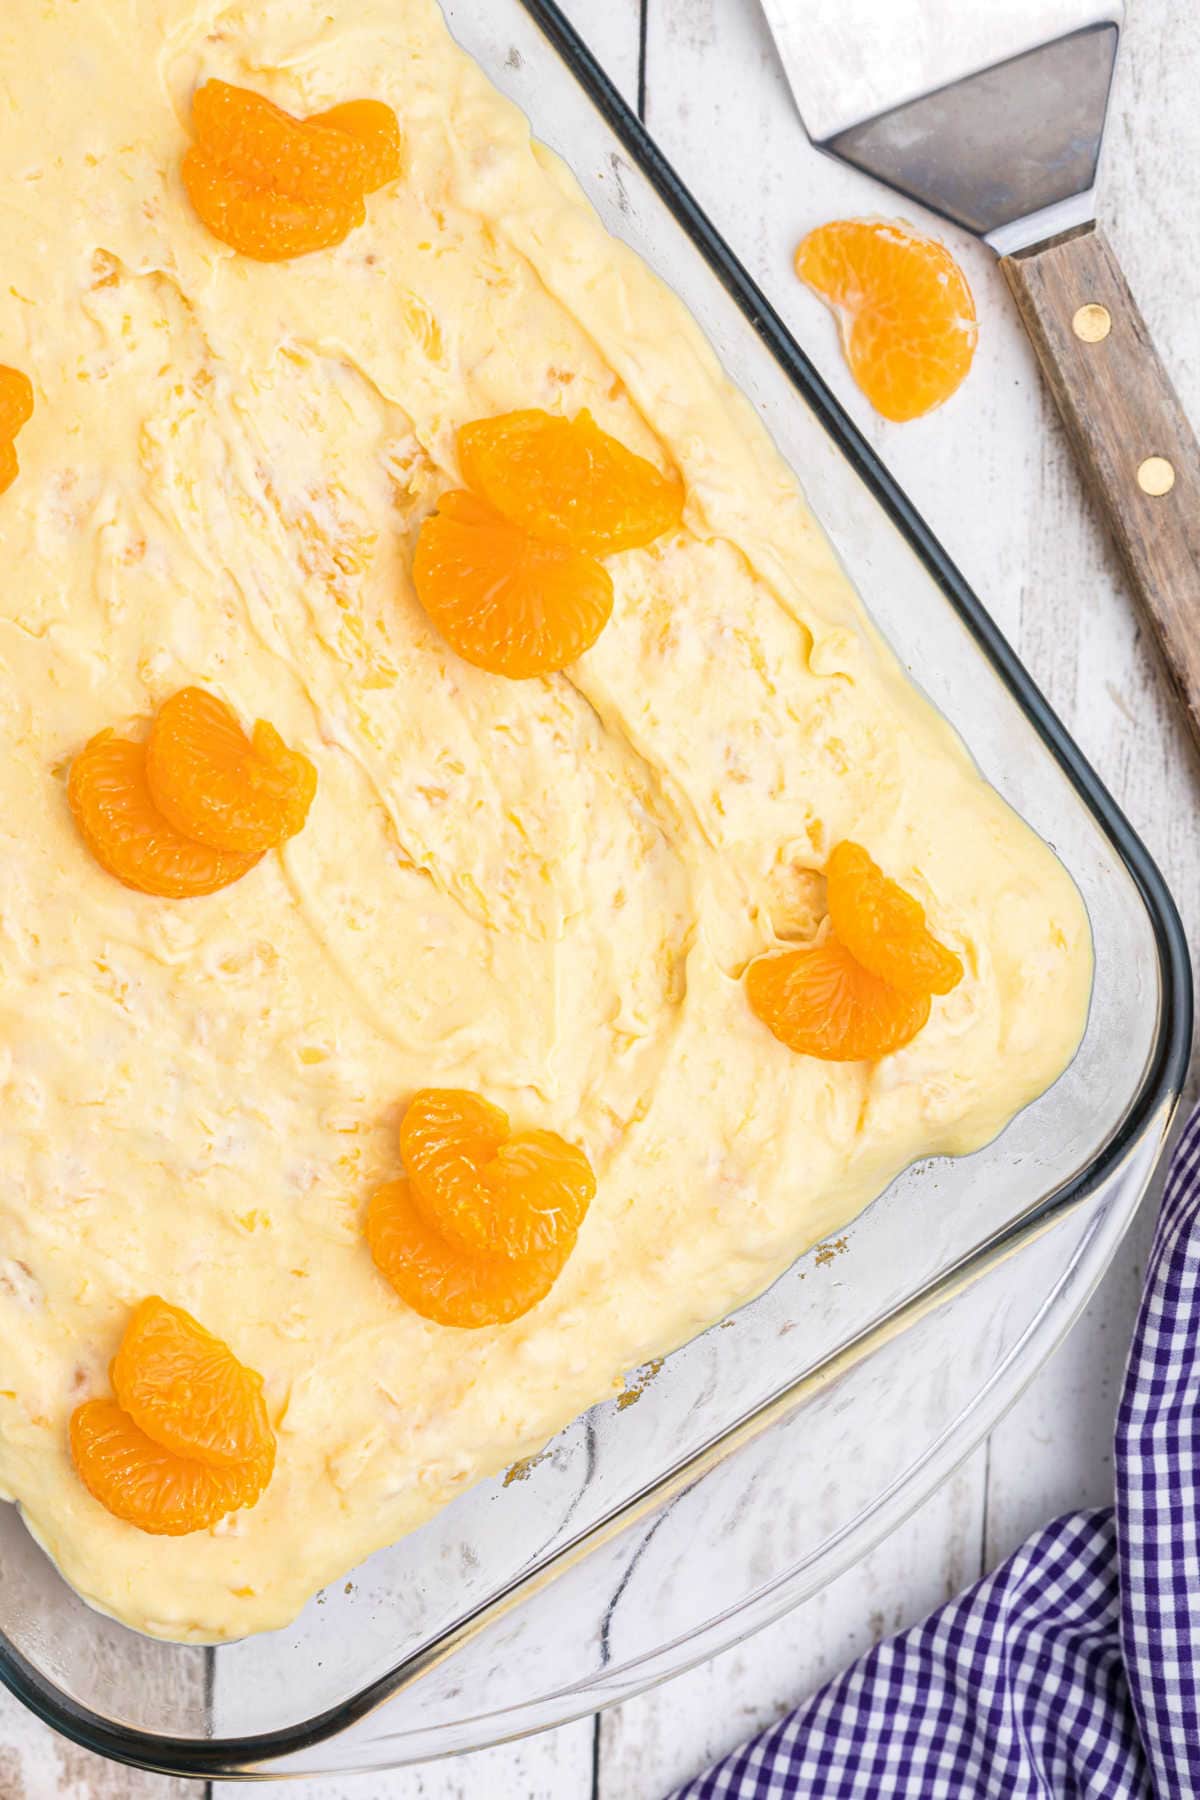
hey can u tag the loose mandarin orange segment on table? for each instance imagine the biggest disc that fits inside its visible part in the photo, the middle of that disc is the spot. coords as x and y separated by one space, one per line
485 1188
503 599
568 482
448 1285
16 409
145 1485
884 927
220 787
273 186
110 799
187 1390
821 1002
904 310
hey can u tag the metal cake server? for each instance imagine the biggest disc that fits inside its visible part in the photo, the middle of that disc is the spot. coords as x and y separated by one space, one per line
991 112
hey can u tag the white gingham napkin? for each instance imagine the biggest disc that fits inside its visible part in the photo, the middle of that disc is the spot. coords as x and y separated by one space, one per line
1073 1671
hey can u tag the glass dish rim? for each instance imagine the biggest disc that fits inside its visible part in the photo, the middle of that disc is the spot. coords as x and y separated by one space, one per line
236 1757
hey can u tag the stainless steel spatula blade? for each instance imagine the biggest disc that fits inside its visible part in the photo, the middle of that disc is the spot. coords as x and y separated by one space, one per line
990 112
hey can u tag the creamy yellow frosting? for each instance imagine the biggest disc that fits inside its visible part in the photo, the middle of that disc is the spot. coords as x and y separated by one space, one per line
546 890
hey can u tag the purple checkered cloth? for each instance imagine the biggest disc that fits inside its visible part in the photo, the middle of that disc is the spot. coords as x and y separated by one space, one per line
1073 1671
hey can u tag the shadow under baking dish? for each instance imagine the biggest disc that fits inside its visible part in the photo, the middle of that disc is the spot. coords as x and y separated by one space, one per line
639 1543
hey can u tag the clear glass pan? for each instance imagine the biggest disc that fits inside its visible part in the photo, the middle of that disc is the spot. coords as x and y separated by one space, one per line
610 1562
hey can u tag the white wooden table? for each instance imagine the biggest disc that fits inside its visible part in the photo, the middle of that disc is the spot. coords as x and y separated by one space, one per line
992 474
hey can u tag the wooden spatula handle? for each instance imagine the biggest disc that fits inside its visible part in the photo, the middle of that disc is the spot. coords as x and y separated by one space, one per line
1128 429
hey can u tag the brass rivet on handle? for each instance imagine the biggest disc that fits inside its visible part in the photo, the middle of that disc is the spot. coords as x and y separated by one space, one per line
1092 322
1156 476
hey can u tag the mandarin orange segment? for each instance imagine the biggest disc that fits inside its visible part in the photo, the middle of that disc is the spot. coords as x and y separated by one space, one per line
273 186
485 1189
272 148
904 310
821 1002
124 830
448 1285
16 409
264 226
216 785
505 600
446 1136
569 482
374 126
16 400
140 1482
884 928
187 1390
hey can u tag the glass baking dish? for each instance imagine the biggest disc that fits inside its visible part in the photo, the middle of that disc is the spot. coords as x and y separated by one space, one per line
768 1453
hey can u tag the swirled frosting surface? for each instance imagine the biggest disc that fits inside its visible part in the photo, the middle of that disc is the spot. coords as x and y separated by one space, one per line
546 890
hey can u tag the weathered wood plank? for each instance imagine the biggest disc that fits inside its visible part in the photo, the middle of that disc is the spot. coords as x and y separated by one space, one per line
557 1766
611 29
1084 639
652 1743
37 1764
